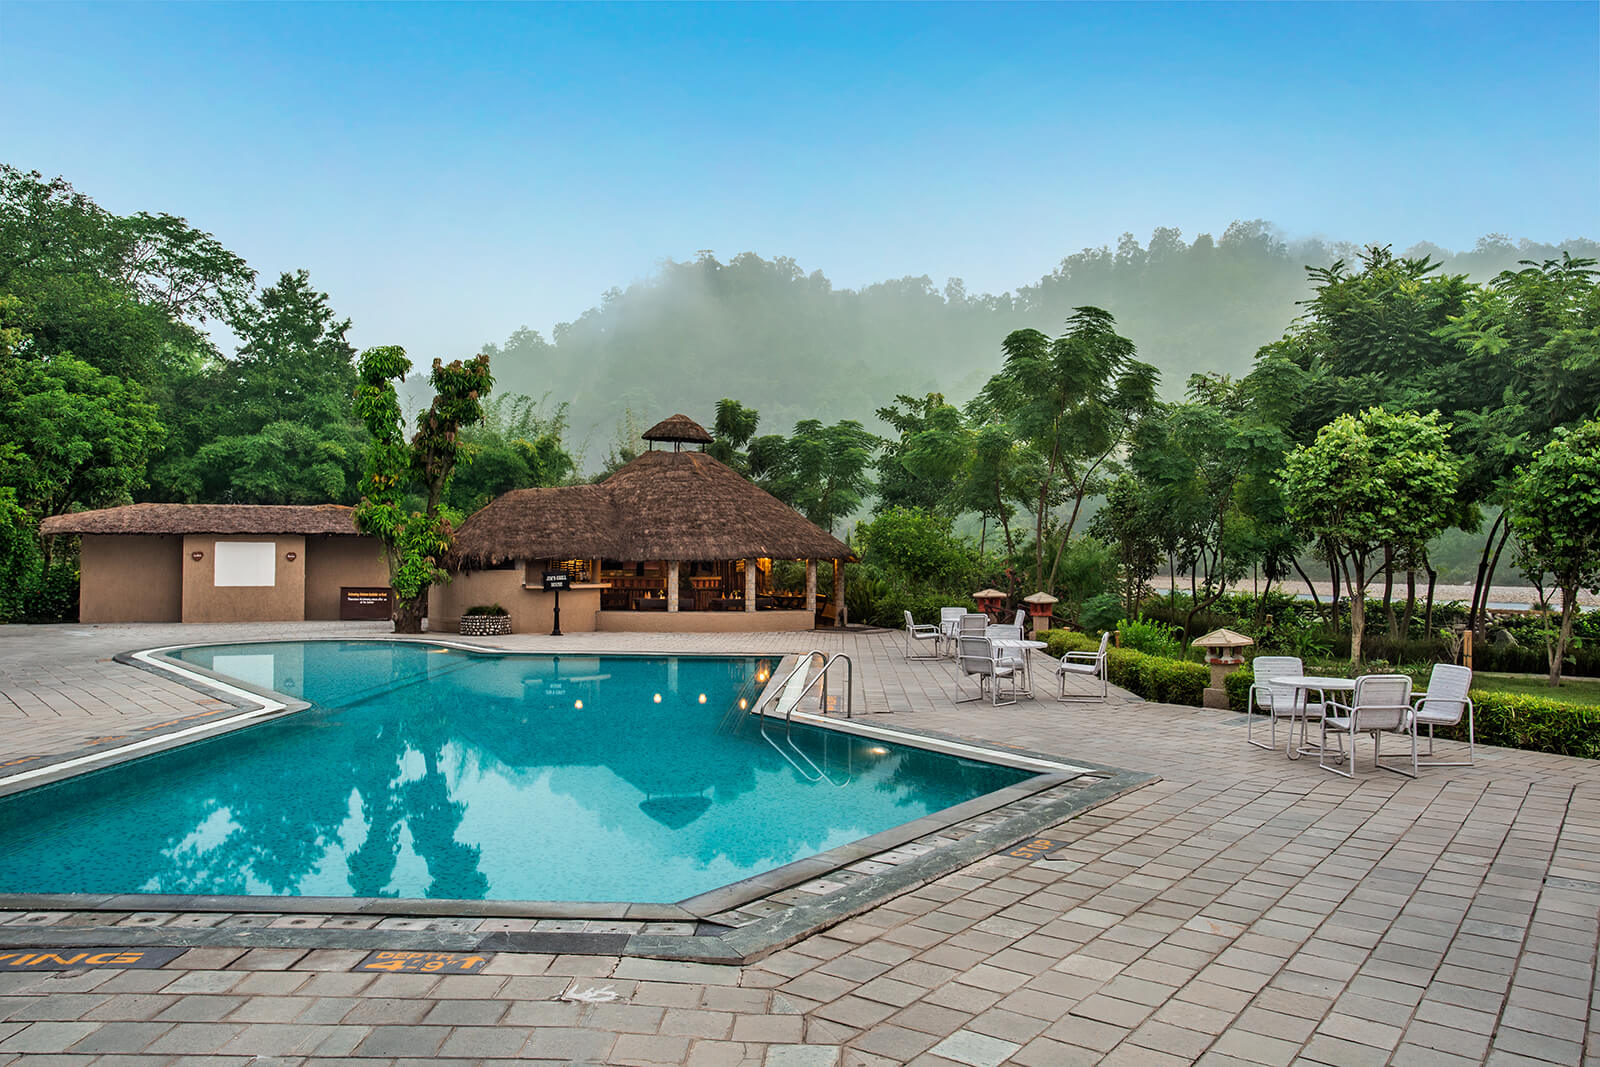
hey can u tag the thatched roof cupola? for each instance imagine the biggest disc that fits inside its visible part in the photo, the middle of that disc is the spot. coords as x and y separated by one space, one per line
680 430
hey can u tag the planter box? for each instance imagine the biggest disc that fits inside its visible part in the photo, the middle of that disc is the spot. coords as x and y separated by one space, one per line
485 625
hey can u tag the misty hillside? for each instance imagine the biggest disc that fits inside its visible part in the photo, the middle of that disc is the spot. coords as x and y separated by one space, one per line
787 342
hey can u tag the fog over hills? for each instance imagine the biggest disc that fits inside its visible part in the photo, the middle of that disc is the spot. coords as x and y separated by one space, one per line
781 338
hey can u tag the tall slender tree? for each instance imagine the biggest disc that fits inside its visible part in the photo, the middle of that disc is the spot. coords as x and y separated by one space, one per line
415 541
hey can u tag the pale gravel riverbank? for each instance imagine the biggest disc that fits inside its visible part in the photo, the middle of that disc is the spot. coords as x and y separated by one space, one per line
1498 594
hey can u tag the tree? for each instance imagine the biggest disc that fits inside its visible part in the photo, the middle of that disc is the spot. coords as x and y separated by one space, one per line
518 446
415 542
71 436
1368 481
1555 511
1127 523
921 469
1074 399
735 425
819 470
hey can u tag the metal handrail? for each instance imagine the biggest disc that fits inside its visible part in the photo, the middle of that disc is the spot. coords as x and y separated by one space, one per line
822 676
805 664
777 689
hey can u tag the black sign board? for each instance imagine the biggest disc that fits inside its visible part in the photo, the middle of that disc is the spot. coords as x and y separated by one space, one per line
557 580
1032 850
422 962
363 602
67 959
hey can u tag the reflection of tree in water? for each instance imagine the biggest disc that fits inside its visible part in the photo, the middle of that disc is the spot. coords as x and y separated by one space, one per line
416 721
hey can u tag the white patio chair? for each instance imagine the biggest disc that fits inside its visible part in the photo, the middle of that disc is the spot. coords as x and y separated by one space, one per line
1011 657
1380 704
1443 704
972 624
1021 621
919 632
1084 665
1278 701
976 656
950 626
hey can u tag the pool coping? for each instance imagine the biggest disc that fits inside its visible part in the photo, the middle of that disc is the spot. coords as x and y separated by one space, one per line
785 903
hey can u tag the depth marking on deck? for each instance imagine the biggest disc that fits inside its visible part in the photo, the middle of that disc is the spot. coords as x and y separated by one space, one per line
64 959
425 962
1032 850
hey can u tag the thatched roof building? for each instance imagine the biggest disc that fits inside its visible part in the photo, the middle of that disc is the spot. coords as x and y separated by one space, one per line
206 519
662 506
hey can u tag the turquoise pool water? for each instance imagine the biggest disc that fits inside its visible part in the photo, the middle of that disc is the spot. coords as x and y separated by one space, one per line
427 772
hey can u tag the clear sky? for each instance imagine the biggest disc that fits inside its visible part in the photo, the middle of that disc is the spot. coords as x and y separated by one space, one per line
450 172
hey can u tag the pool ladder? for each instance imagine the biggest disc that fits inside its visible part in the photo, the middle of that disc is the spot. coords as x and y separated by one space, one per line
788 701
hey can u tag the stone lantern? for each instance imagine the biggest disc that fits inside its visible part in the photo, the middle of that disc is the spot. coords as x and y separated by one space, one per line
991 602
1041 608
1224 652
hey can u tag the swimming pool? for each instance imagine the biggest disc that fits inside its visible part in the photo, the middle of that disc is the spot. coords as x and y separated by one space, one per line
427 771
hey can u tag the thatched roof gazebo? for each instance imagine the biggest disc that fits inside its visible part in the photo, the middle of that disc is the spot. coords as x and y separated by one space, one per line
680 430
633 534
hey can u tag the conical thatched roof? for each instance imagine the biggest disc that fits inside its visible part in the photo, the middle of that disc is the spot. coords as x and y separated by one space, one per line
678 428
664 505
206 519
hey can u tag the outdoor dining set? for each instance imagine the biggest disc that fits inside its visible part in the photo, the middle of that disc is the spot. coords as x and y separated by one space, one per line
999 656
1374 704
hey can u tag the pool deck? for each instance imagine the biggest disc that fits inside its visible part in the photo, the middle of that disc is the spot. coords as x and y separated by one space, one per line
1243 909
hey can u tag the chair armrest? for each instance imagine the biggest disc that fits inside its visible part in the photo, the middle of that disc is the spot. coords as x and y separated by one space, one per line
1092 656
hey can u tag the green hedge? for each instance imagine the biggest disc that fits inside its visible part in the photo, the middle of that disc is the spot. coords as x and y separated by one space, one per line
1511 720
1168 681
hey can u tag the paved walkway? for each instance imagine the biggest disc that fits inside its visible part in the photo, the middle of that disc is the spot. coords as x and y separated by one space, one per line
1245 909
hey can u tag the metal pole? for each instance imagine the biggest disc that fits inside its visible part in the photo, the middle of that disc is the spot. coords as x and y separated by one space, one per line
557 631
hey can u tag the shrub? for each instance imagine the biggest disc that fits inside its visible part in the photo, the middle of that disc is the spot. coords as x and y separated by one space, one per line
1238 685
1100 612
1167 681
1150 637
917 546
1516 720
486 609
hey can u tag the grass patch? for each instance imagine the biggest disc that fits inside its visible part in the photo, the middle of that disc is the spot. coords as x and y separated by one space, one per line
1571 691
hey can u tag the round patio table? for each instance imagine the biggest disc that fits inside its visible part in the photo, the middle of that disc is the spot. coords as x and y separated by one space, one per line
1303 685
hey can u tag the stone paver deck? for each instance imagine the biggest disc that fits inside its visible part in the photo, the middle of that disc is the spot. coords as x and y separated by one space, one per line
1243 910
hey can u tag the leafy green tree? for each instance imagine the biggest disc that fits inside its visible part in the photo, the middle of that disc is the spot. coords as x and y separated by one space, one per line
918 546
819 470
921 468
71 436
1556 514
732 430
1190 455
518 446
286 463
1367 481
1128 522
123 294
1074 399
415 542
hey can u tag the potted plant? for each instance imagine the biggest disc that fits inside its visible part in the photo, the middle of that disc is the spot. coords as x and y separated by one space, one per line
485 620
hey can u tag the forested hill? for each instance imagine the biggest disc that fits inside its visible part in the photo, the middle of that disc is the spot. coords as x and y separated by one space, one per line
791 345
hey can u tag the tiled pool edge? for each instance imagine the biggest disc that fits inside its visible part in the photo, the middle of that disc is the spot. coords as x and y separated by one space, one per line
709 944
737 923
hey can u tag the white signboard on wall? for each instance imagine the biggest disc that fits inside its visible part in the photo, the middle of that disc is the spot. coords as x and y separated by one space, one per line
246 563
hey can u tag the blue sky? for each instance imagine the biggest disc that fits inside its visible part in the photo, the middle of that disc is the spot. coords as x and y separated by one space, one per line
450 172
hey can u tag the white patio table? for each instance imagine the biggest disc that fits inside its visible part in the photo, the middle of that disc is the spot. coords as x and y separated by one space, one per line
1008 644
1303 685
